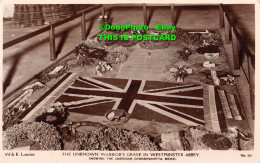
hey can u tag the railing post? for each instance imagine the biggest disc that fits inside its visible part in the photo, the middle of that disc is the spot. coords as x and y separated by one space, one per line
172 14
83 26
145 14
221 17
52 43
236 49
103 10
227 29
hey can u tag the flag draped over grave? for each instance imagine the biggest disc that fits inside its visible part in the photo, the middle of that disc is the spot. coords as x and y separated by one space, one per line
188 104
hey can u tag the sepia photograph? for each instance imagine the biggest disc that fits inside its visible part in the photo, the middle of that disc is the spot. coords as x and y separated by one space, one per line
128 77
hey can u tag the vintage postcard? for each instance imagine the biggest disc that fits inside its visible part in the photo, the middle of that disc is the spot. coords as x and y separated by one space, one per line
93 81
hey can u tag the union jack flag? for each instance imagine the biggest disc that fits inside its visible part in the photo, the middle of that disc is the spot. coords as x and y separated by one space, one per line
144 100
188 104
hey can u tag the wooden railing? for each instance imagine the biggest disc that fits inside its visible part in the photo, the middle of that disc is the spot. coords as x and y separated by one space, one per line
171 7
51 29
240 50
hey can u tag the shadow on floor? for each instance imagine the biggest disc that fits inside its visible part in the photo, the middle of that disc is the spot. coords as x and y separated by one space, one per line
9 77
91 23
110 19
151 12
177 15
62 41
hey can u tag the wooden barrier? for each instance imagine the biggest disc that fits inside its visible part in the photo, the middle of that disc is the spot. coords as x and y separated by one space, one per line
244 66
103 10
227 29
49 28
83 26
243 45
172 14
25 37
221 17
52 43
145 14
240 50
236 49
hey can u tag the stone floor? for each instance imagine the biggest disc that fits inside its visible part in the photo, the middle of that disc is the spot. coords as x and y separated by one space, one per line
26 59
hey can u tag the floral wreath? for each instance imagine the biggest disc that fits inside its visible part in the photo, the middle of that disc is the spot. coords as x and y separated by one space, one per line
154 44
57 111
59 118
47 135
